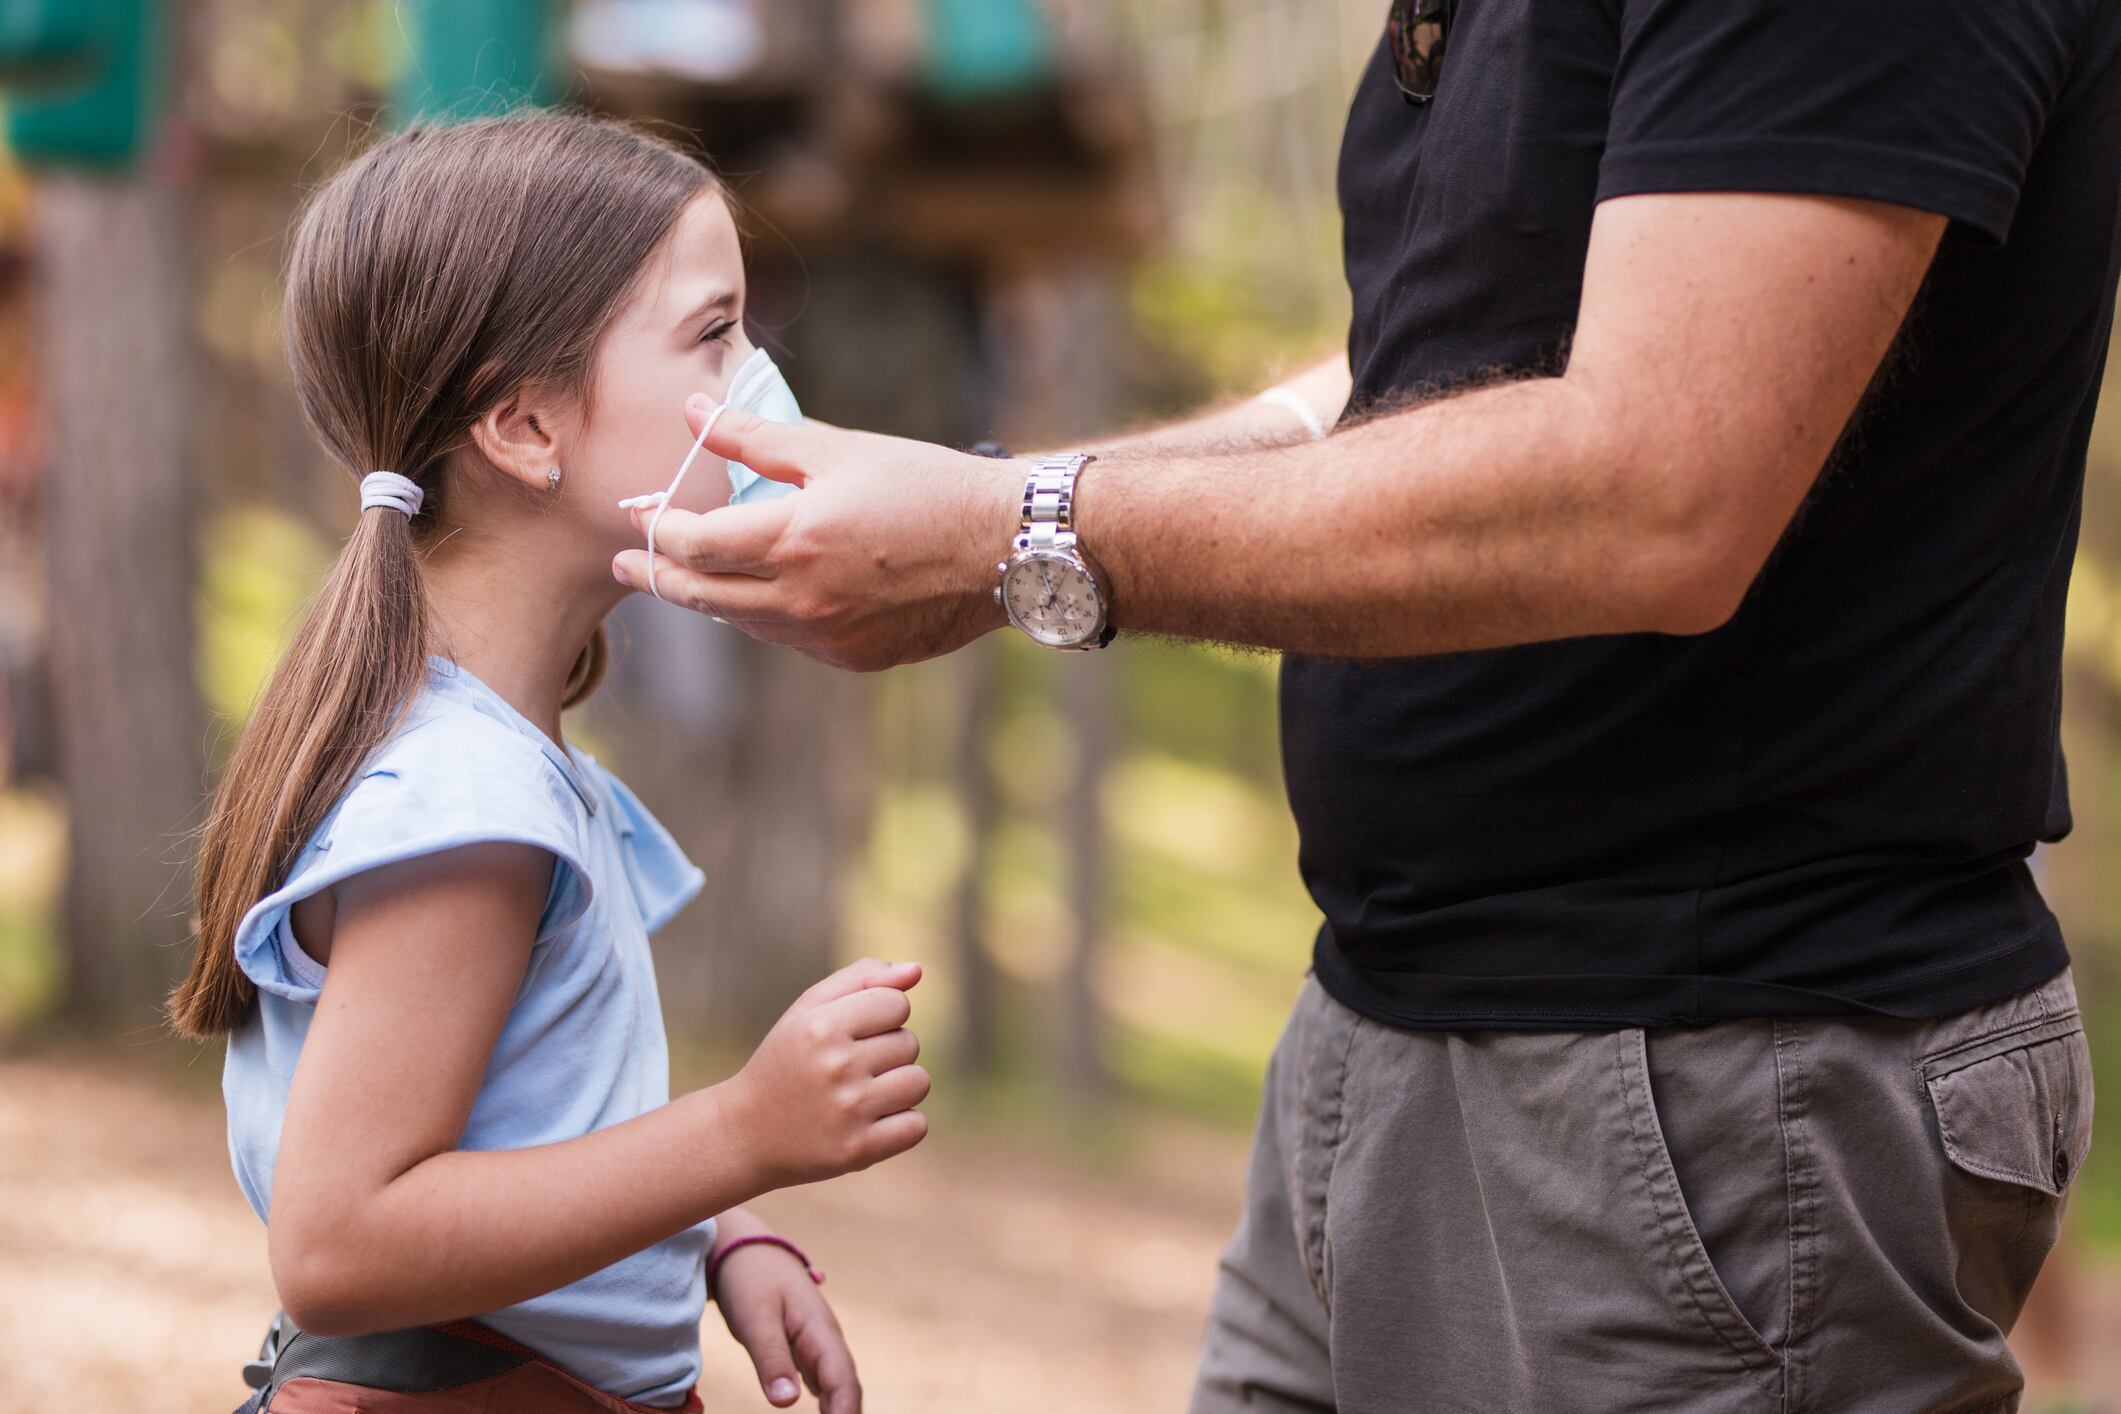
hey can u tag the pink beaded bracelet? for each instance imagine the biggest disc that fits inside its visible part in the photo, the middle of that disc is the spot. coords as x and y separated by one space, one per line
721 1255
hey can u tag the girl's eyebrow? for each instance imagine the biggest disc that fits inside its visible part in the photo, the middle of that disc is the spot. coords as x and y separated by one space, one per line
720 300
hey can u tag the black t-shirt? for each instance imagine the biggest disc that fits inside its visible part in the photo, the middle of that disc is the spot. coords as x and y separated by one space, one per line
1825 805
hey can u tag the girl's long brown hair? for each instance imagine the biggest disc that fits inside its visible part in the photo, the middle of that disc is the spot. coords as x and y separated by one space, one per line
433 278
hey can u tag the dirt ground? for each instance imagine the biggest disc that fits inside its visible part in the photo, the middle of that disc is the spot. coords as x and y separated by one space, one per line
969 1275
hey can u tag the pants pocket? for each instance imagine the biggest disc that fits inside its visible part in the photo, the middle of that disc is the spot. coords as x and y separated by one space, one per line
1705 1298
1325 1034
2013 1109
1718 1096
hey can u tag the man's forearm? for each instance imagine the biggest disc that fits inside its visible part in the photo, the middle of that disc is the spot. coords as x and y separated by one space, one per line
1722 345
1249 425
1512 514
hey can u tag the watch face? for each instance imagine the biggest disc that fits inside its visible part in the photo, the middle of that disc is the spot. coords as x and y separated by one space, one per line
1051 598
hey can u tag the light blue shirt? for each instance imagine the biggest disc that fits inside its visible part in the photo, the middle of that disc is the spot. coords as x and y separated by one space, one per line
583 1045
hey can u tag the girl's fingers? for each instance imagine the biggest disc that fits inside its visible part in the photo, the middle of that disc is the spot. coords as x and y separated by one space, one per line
872 1011
758 1318
828 1366
772 1357
895 1133
858 977
897 1090
889 1051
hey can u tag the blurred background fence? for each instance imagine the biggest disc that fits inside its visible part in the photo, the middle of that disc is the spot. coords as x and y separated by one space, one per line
966 219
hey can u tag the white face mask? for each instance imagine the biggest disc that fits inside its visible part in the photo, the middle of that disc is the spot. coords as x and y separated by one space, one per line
758 388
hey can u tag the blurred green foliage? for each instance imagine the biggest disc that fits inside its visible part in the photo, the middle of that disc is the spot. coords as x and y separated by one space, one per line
1255 291
32 861
259 567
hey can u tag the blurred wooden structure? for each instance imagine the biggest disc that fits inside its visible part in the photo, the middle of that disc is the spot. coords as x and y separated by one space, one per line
864 121
946 200
941 198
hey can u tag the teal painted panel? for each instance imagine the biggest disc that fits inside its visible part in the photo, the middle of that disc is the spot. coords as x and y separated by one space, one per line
988 48
469 58
102 100
42 40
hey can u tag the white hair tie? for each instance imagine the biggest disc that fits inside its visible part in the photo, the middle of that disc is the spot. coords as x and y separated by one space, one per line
387 488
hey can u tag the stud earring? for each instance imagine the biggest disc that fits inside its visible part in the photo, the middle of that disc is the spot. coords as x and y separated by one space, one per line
552 479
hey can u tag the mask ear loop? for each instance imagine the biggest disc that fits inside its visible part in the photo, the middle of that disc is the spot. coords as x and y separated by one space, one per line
663 501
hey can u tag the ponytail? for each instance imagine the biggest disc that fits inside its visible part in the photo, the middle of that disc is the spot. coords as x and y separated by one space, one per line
355 663
439 273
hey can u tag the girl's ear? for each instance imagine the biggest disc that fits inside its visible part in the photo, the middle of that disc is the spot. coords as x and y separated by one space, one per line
520 439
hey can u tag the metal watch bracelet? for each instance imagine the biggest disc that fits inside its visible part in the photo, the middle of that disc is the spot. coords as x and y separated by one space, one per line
1046 530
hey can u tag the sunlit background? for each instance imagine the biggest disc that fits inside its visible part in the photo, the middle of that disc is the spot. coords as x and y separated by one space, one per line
967 219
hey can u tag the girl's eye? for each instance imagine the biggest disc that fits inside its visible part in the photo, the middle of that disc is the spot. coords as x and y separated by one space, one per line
718 332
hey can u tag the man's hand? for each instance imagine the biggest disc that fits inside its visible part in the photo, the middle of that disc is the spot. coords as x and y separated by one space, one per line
885 555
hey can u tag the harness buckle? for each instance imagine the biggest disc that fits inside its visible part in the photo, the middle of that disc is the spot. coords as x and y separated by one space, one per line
258 1373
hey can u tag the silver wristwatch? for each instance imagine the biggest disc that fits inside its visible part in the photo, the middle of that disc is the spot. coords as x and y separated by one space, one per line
1048 588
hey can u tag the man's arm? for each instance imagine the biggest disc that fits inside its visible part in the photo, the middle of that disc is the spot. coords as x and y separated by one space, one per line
1722 344
1250 425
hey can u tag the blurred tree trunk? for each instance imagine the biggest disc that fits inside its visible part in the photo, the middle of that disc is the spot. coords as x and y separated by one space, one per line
1059 333
746 753
1087 699
977 683
113 312
757 758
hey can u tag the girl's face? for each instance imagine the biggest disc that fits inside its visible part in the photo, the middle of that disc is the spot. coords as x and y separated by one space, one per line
681 332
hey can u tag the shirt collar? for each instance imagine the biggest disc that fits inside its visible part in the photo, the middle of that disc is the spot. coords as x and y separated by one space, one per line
449 676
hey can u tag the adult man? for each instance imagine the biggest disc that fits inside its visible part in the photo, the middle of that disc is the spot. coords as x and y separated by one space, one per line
1686 1031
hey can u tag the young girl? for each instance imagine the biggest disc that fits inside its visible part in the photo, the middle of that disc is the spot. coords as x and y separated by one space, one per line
423 917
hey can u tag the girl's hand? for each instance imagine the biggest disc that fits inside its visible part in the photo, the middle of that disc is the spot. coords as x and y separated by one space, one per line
832 1087
784 1323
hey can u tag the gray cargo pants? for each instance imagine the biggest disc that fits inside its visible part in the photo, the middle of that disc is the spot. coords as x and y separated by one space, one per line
1815 1214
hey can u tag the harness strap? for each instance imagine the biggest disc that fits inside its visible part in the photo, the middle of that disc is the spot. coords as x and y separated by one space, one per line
421 1360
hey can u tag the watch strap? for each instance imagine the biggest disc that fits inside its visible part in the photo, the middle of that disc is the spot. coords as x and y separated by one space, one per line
1048 518
1047 524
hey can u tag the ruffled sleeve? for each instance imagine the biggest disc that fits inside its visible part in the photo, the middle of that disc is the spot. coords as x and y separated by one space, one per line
664 880
450 780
